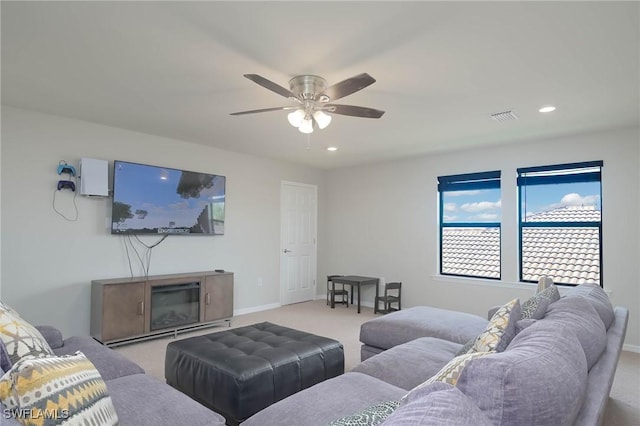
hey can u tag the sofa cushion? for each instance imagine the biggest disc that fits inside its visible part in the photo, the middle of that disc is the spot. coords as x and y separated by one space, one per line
20 337
409 364
64 390
578 316
109 363
52 335
438 404
327 401
451 371
500 329
143 400
539 380
602 374
370 416
403 326
596 296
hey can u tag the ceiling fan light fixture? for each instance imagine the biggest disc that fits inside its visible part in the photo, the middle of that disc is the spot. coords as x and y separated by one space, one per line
322 119
312 94
306 126
295 118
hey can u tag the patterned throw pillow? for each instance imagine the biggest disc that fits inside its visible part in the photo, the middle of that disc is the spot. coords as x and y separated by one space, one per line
551 293
5 362
371 416
500 330
20 337
449 373
536 307
65 390
543 283
466 347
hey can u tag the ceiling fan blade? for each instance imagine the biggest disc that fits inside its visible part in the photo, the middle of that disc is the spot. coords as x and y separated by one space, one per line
354 111
253 111
349 86
268 84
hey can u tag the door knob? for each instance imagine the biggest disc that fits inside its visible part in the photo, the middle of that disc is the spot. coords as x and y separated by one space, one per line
286 251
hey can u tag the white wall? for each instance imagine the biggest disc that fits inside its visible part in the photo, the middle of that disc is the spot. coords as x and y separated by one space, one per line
378 220
383 221
48 263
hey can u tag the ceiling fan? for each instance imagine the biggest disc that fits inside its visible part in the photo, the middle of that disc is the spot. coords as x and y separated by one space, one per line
314 99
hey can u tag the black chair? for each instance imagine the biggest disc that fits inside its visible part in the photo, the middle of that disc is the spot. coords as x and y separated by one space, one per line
331 294
392 295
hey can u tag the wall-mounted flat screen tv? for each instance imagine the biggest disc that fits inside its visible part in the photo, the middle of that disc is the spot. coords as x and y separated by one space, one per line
161 200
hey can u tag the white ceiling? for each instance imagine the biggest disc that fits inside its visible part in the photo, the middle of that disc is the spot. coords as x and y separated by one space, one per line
175 69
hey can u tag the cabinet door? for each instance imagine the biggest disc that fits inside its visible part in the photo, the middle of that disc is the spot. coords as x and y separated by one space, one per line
123 310
218 297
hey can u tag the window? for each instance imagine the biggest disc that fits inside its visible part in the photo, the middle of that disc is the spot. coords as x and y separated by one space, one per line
560 223
470 214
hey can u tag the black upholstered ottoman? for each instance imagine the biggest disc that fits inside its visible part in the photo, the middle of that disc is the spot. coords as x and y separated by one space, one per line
240 371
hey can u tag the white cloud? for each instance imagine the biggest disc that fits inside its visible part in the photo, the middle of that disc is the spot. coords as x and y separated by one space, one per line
575 199
481 206
450 207
449 218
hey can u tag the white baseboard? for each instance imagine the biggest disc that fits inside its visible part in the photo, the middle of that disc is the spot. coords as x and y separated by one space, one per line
631 348
253 309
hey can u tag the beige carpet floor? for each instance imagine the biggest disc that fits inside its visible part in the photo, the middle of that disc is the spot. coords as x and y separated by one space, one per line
343 324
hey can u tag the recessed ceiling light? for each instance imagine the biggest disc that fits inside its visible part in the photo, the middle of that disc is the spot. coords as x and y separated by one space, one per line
547 108
332 148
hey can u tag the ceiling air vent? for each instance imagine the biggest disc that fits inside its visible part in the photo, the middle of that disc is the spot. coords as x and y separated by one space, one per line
504 116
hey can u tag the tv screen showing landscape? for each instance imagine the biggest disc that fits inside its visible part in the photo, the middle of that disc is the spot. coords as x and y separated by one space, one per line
160 200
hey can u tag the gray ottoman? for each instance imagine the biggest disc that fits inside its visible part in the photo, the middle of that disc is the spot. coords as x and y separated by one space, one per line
239 372
396 328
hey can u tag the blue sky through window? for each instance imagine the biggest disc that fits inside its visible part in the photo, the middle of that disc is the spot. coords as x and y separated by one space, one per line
542 198
486 205
482 205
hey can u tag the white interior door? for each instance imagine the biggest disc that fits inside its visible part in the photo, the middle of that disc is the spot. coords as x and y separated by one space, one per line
298 242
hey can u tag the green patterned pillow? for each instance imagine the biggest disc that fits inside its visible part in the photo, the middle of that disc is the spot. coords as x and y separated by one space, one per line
53 390
500 330
372 416
20 337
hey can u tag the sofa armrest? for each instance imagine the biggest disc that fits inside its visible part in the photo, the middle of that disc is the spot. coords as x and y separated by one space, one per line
52 335
492 310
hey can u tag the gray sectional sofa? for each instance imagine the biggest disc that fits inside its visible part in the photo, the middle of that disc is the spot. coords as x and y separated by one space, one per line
557 369
139 399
